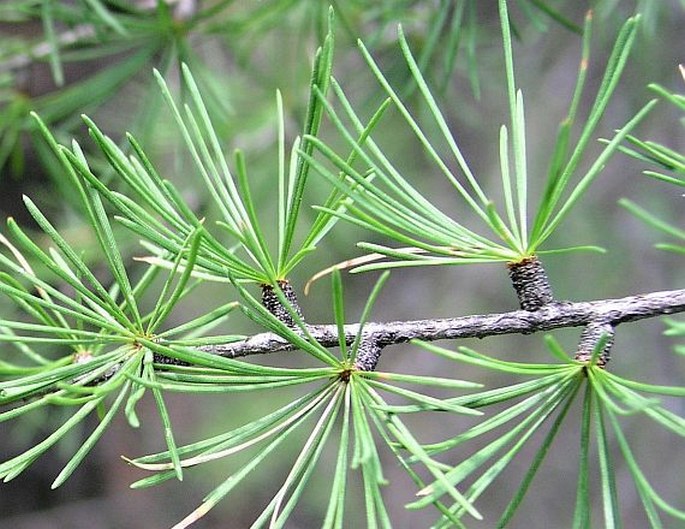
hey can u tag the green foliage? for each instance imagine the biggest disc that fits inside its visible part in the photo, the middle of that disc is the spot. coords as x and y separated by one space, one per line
137 35
667 159
661 155
174 221
113 342
342 397
673 162
80 33
387 202
547 398
95 339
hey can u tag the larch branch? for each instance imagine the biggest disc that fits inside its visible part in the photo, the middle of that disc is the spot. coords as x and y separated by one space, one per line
554 315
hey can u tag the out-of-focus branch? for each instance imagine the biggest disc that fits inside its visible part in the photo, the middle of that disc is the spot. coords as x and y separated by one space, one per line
182 10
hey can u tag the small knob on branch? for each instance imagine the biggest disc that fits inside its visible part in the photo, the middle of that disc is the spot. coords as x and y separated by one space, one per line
368 355
271 302
596 335
530 283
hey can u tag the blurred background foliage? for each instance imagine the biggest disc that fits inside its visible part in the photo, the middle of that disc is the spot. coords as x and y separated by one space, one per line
65 58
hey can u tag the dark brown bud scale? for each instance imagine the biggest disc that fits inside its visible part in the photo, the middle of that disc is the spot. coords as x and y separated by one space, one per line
530 283
274 306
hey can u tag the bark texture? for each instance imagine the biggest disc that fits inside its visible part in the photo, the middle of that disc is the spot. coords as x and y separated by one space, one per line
554 315
531 283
